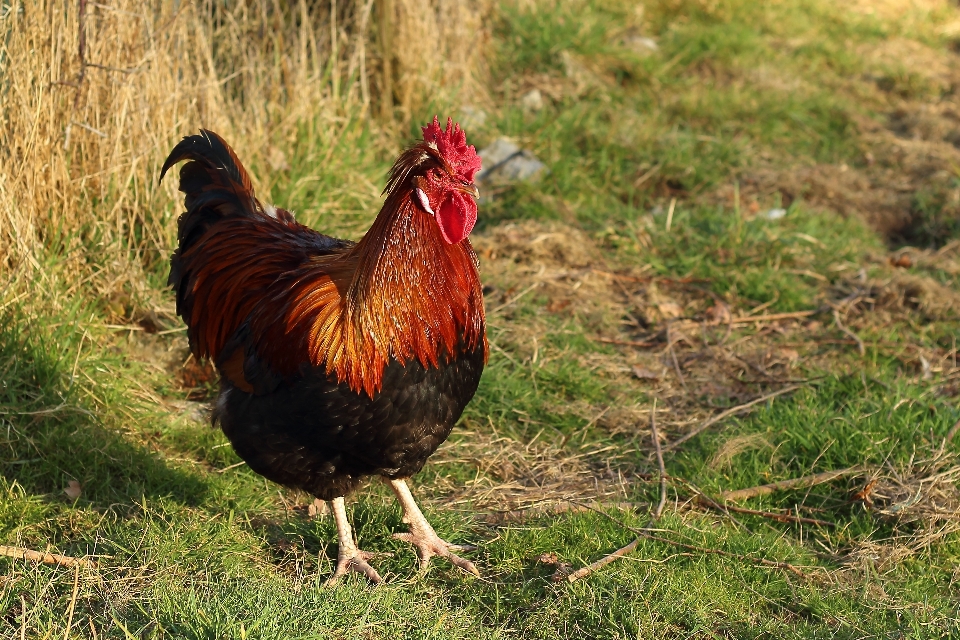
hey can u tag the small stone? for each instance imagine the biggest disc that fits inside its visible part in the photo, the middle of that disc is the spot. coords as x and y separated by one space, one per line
318 509
775 214
641 45
73 489
718 313
670 310
644 374
472 117
532 100
505 162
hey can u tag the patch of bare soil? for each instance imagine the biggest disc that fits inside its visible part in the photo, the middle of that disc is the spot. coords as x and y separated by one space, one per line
905 183
911 157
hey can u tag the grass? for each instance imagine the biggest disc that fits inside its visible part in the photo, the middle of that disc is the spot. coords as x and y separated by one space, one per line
739 99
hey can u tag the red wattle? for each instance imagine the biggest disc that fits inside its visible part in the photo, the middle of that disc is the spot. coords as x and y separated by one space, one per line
456 217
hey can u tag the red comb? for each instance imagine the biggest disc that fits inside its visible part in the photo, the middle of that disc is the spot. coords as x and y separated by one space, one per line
452 145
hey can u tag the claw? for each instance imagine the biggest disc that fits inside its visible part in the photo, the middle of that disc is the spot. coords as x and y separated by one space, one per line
422 535
429 544
354 560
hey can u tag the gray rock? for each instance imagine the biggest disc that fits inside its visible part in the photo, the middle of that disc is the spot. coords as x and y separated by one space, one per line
504 162
532 100
641 45
472 117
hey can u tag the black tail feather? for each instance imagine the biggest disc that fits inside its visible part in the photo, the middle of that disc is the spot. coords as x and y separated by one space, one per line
211 150
215 186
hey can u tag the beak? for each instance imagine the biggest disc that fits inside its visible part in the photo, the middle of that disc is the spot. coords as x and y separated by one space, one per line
471 190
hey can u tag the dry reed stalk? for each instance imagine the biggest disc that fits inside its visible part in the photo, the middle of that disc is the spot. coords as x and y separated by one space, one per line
93 96
46 558
787 485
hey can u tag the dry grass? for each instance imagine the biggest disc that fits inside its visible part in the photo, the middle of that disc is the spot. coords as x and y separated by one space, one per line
736 445
513 478
95 94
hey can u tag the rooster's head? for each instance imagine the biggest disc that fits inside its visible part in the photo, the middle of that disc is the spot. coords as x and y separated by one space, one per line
439 173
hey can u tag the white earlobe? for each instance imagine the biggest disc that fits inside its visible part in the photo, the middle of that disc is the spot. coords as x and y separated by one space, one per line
424 201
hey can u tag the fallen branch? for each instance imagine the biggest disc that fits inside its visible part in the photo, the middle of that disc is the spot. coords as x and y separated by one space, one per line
729 554
602 562
783 485
645 532
851 334
779 517
655 436
770 317
514 299
628 343
729 412
45 558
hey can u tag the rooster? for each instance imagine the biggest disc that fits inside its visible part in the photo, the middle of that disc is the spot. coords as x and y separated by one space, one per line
338 360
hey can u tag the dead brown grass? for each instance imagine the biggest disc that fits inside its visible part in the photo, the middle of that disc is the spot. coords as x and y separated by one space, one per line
919 499
736 445
514 478
95 94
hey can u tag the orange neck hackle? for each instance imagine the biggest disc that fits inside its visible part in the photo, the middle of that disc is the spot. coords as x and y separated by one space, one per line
402 292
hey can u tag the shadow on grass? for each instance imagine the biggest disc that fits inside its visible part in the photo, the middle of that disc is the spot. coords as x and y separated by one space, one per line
54 428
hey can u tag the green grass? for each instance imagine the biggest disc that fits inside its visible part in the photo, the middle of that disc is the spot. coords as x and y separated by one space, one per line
191 546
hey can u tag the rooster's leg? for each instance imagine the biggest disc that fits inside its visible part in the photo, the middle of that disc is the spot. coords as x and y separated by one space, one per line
349 557
422 535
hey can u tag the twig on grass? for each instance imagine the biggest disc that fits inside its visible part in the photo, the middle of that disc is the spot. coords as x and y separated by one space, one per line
770 317
729 412
676 365
46 558
646 176
655 436
783 485
514 298
602 562
73 602
647 533
779 517
729 554
232 466
947 439
628 343
840 325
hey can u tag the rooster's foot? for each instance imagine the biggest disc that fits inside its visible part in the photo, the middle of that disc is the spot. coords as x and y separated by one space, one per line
349 557
354 560
429 544
422 535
